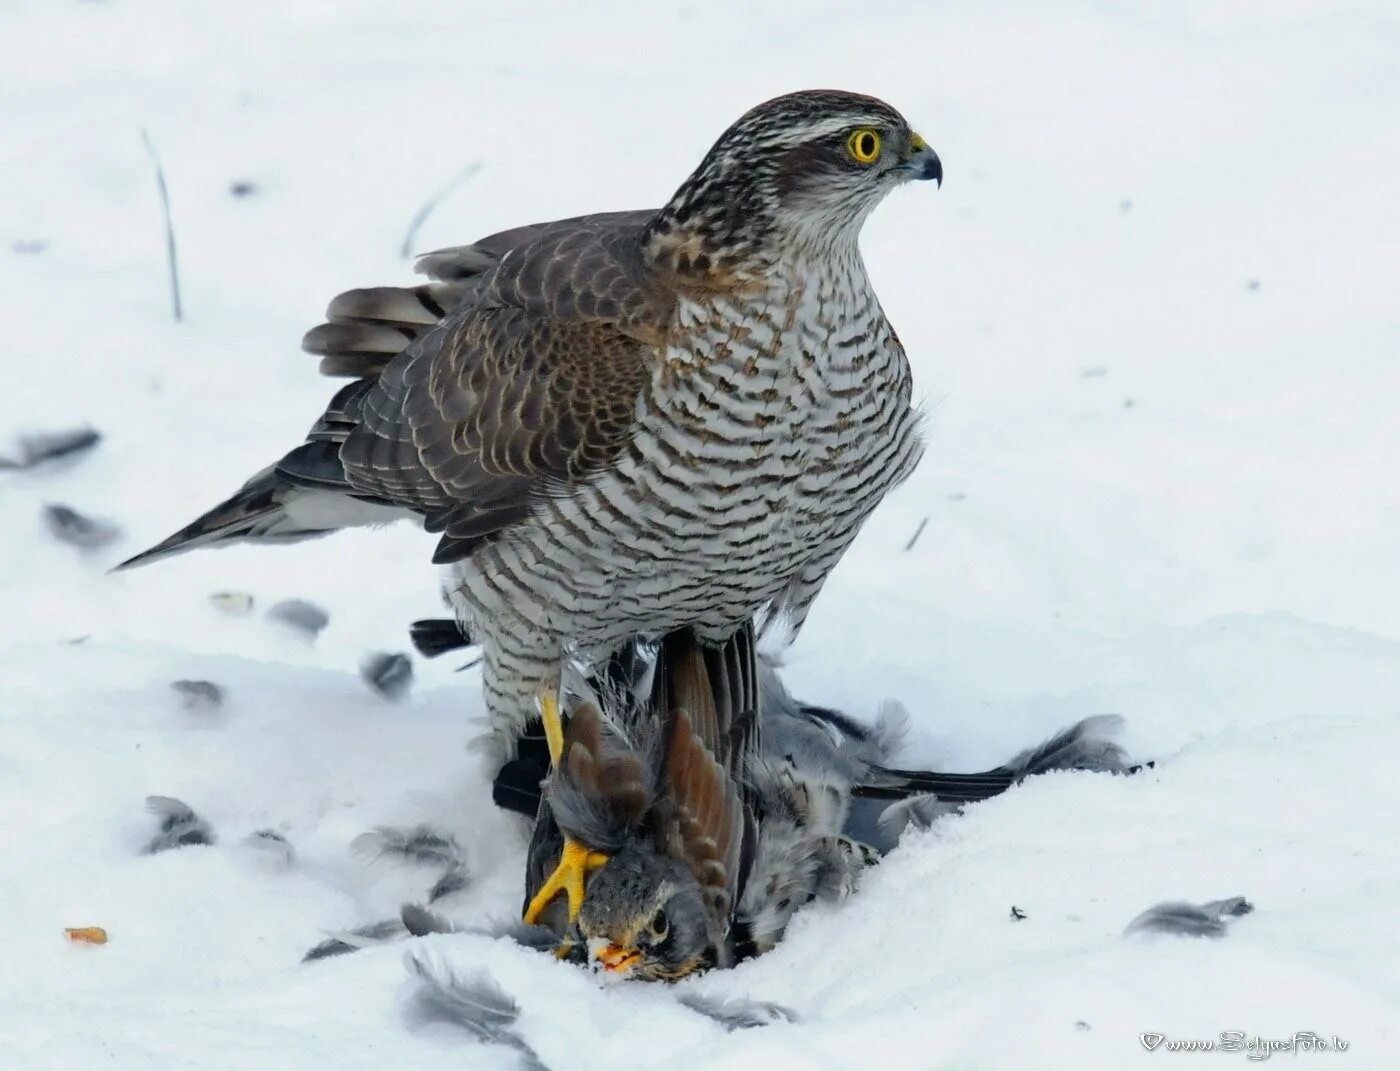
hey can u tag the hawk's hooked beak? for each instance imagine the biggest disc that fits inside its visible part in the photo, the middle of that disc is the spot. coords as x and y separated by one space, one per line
614 958
923 162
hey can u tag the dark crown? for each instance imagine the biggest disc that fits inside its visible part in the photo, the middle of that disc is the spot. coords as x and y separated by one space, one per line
723 215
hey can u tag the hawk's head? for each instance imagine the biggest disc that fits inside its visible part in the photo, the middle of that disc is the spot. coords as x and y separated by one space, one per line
800 171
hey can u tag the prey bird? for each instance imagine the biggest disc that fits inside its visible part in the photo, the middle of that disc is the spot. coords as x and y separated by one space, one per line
693 806
625 423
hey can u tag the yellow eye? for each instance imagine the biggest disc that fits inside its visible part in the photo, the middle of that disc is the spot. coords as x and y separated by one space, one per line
864 145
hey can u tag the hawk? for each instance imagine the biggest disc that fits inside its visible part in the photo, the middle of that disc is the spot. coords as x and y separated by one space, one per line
625 423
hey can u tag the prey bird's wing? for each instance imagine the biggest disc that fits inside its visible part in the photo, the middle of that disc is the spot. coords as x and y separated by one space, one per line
706 821
602 788
719 687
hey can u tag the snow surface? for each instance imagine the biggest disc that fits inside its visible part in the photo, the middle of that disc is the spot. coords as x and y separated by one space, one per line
1152 311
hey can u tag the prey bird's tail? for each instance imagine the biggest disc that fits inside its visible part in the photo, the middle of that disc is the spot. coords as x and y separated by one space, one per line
887 800
1085 745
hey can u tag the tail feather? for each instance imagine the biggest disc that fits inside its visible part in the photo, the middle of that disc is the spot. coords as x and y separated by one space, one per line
1085 745
423 305
434 636
270 508
357 349
257 509
368 327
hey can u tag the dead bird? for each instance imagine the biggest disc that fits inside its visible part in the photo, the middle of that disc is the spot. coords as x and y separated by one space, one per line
692 806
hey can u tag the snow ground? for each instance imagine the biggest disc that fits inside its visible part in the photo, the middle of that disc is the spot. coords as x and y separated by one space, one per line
1153 312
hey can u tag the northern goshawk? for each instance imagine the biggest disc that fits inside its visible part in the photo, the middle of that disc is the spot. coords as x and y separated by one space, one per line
631 422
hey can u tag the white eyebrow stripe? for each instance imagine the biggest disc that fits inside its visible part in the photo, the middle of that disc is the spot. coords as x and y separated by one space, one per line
835 125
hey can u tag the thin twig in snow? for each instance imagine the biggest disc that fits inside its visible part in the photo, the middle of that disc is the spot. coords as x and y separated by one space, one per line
176 309
406 249
915 537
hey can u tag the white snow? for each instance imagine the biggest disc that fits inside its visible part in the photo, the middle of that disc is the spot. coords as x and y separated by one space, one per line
1153 312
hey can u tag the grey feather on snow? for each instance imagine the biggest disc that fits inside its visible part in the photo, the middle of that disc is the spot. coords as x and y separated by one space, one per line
738 1013
454 879
38 447
411 844
270 846
1184 919
340 944
1086 745
390 675
474 1003
420 921
198 695
301 615
420 844
179 827
69 526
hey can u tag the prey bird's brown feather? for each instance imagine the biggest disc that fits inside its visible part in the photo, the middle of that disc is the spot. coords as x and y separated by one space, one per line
704 825
601 791
706 819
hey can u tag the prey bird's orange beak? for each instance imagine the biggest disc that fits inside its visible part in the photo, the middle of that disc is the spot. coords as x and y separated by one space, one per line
616 959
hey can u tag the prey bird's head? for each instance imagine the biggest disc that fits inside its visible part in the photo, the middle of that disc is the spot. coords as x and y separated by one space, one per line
798 173
645 917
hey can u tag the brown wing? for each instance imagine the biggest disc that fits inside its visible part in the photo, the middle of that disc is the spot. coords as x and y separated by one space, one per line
366 328
708 821
705 827
718 686
531 385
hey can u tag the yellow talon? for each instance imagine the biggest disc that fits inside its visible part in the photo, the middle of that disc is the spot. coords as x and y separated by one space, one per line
576 861
575 864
